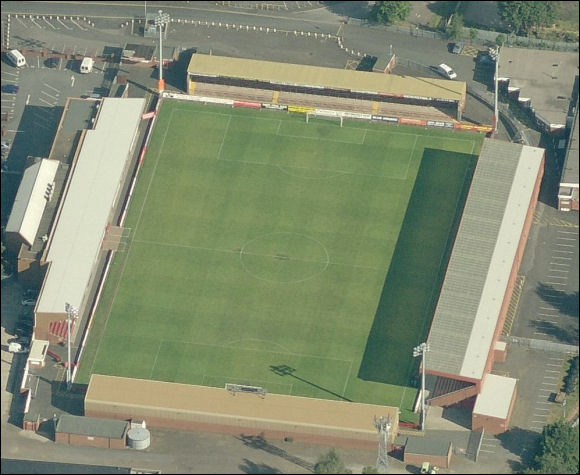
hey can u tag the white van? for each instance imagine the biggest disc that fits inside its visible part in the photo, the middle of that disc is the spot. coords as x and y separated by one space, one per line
446 71
87 65
16 58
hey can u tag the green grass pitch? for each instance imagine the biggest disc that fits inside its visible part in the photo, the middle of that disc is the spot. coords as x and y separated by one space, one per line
303 258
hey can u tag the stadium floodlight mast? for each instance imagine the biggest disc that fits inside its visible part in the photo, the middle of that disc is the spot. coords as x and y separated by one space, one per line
421 350
161 20
71 312
494 54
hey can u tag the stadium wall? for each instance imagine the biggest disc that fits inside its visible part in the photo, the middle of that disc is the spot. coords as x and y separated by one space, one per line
202 408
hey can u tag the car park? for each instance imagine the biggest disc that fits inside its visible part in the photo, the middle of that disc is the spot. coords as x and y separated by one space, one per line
10 88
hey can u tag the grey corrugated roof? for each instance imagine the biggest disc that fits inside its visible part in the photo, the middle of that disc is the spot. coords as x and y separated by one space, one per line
76 240
427 446
481 260
91 426
30 201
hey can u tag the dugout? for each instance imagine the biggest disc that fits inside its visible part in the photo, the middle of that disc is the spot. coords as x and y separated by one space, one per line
202 408
316 80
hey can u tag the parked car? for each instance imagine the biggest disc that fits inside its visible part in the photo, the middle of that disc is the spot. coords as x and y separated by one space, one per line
51 62
28 302
5 145
457 48
446 71
10 88
30 293
17 348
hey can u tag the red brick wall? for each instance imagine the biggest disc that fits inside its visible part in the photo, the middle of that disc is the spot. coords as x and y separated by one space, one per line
354 442
418 459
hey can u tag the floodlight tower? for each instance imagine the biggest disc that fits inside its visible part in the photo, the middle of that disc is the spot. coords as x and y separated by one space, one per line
494 54
421 350
161 20
71 313
383 425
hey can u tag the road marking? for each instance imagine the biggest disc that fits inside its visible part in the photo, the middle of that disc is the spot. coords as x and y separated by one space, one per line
548 384
53 88
552 377
84 29
551 370
58 19
566 245
559 270
555 283
49 24
565 264
564 258
542 402
565 238
32 20
548 314
563 252
52 97
568 232
46 102
556 359
487 451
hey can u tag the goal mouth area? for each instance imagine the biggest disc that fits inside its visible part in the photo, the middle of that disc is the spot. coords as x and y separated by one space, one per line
330 117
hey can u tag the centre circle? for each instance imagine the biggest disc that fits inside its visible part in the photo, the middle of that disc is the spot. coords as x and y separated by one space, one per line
284 257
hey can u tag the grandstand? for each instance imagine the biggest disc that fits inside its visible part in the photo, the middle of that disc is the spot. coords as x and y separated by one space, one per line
362 91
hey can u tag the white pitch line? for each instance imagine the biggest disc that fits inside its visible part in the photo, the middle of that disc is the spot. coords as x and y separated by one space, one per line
224 137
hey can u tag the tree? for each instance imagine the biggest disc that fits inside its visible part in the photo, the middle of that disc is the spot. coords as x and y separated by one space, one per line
455 28
500 39
523 16
369 469
472 34
330 462
390 12
557 449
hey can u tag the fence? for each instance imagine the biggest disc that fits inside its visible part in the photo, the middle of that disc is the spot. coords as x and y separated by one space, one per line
543 345
484 37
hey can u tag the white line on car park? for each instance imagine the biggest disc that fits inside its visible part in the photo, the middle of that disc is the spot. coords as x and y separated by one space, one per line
21 22
49 86
567 232
46 102
32 20
49 95
67 27
84 29
9 73
49 24
565 245
564 271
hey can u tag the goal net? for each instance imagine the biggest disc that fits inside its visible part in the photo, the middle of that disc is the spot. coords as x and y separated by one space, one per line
317 115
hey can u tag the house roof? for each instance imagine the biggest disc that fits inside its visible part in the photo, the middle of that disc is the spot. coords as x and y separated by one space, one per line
91 426
30 199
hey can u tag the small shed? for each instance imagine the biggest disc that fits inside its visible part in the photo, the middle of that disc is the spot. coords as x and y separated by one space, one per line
494 405
435 451
90 431
38 352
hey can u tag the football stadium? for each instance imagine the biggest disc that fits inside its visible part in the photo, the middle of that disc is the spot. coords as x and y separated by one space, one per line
281 250
271 252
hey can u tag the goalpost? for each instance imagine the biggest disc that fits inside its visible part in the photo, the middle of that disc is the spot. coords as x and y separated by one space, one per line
335 116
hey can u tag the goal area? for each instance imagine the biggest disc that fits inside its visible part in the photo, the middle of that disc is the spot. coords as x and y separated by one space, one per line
336 117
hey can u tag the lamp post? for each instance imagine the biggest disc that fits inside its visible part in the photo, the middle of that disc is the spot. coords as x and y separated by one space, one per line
71 312
161 20
421 350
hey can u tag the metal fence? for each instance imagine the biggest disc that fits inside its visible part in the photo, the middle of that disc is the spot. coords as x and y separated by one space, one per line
484 37
543 345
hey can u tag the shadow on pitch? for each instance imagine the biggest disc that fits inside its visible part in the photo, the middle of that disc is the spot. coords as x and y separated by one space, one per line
285 370
416 271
